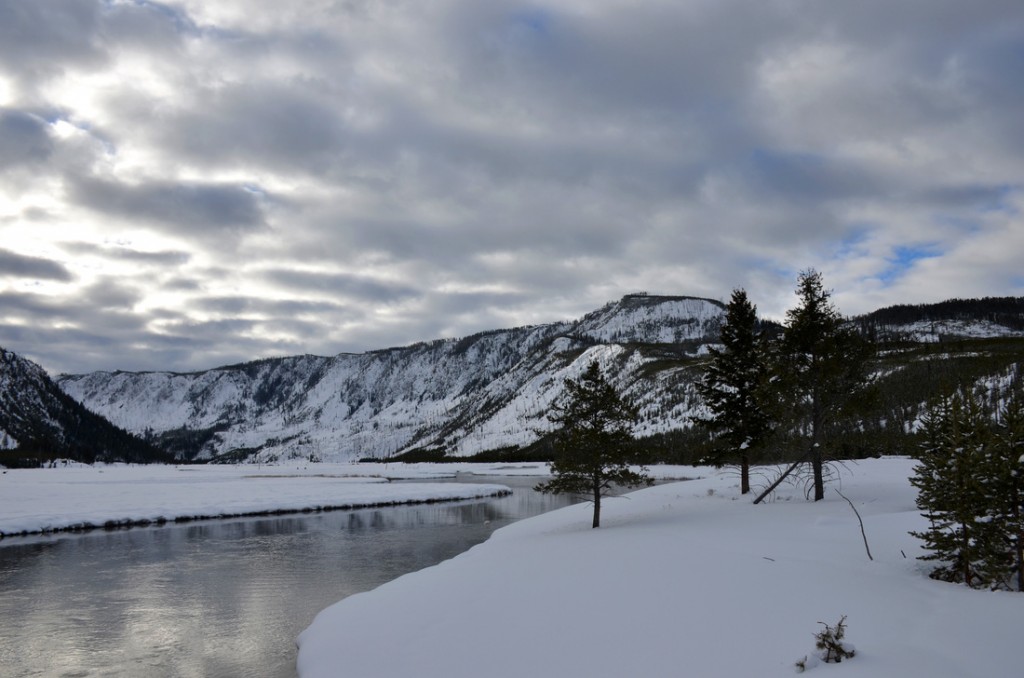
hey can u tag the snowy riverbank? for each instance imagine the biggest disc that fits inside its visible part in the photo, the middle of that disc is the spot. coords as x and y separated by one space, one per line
681 579
79 496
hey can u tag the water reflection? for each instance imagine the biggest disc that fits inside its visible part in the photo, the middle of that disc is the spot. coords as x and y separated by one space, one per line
222 598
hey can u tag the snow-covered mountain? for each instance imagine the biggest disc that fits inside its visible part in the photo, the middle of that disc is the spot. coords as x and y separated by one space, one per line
483 392
38 418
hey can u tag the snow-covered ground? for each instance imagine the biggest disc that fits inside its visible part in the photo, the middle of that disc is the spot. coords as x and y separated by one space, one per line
932 331
72 496
37 500
683 579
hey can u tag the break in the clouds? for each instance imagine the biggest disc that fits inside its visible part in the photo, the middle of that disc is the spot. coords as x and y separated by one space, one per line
189 183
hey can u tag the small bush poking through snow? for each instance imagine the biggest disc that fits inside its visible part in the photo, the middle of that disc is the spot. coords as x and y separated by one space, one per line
830 645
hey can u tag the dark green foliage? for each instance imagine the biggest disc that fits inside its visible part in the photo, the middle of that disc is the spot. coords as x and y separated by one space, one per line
969 481
1006 311
539 451
185 444
271 391
1003 486
829 642
49 424
688 446
820 371
949 491
830 645
733 388
592 447
421 455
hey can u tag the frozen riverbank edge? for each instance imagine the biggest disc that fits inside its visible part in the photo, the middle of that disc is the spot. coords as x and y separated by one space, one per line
681 579
77 497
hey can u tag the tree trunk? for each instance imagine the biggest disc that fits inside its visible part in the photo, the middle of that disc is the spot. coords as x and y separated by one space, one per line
744 474
817 454
1020 558
597 502
965 555
1018 534
818 463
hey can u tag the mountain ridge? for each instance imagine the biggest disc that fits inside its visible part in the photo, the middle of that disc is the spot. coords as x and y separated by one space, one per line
468 395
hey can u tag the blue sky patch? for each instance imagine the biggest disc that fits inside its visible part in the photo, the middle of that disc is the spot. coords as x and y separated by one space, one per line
903 259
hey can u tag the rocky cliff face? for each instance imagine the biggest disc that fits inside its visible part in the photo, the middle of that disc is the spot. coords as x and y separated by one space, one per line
482 392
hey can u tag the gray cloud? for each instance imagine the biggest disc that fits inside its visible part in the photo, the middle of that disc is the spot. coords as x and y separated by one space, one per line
76 334
41 38
182 208
259 122
158 258
276 308
110 293
13 264
343 176
24 139
341 284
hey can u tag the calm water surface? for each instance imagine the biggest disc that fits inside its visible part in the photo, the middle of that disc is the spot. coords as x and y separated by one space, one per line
220 598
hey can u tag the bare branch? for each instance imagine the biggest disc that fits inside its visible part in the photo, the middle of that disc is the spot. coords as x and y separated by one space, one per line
857 513
778 481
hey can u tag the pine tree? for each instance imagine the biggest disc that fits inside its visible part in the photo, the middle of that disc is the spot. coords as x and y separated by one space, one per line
732 387
1003 484
593 453
821 369
950 492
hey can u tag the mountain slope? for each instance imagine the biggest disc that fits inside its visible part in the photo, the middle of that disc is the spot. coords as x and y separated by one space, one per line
39 421
493 390
947 320
482 392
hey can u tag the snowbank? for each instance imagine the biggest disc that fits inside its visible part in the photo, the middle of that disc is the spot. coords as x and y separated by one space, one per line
77 496
682 579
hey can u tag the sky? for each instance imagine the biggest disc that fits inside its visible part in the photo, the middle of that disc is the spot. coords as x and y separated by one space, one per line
195 183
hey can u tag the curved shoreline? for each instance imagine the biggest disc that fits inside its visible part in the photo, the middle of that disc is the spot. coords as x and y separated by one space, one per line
128 523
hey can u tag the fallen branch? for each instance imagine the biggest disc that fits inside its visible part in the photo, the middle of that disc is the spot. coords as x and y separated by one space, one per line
778 481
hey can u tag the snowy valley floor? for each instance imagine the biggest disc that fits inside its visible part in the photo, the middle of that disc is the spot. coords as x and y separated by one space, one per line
683 579
77 496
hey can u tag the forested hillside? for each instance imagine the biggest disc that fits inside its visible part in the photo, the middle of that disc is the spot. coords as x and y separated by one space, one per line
39 422
921 353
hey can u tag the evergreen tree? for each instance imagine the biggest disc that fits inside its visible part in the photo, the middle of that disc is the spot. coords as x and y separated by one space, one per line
821 369
592 447
951 493
732 387
1003 484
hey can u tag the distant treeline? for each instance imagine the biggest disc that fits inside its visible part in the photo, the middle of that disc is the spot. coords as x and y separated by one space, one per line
70 431
1006 311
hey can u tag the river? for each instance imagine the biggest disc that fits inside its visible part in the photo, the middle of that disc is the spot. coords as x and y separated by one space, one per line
218 599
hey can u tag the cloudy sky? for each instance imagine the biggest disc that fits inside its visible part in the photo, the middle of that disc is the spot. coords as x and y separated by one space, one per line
192 183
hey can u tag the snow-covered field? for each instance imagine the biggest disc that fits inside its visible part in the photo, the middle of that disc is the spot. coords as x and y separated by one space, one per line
72 496
684 579
38 500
